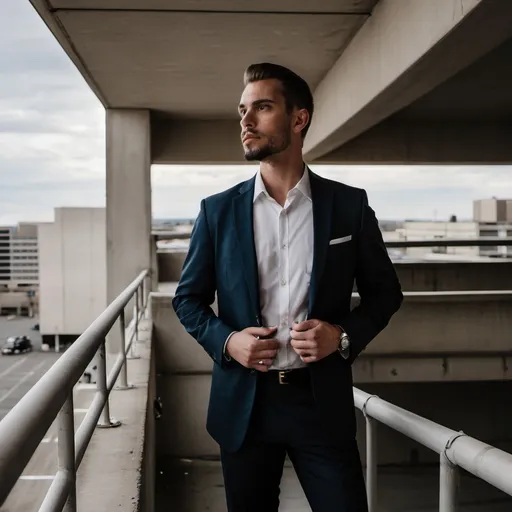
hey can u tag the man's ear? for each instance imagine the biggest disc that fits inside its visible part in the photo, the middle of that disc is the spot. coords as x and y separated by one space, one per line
301 120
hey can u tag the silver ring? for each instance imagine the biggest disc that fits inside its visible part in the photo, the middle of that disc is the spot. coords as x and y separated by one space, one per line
261 362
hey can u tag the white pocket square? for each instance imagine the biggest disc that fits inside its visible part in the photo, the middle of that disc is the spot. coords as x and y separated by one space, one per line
341 240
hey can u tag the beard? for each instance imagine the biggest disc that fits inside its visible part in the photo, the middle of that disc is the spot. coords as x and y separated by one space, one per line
275 145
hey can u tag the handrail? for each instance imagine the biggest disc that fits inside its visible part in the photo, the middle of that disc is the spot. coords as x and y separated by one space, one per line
455 449
24 427
484 241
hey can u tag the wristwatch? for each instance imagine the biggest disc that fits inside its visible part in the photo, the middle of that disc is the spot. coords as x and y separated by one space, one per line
344 345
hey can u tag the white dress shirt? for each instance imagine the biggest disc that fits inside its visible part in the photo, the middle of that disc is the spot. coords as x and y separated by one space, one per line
283 237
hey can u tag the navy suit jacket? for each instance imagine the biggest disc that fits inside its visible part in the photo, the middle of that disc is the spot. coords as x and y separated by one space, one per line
222 259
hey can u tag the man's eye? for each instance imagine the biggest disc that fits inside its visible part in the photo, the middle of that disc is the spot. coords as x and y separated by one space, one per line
262 107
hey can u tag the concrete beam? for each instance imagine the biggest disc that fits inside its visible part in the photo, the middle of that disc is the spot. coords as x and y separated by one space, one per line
128 200
403 51
189 141
427 142
63 38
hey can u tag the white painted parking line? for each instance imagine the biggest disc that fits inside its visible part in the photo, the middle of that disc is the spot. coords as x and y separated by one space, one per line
21 381
11 368
81 410
37 477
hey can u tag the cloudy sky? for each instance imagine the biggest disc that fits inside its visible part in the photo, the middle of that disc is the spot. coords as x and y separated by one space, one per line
52 145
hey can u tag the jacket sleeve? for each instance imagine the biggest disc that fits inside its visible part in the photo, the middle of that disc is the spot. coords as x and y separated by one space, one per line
377 284
196 292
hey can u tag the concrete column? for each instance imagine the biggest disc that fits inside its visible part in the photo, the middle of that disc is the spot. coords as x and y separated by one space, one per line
128 202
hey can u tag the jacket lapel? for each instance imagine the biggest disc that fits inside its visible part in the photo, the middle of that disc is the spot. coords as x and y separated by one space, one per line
243 214
322 197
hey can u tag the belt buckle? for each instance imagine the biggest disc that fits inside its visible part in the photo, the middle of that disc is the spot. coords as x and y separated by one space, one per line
283 379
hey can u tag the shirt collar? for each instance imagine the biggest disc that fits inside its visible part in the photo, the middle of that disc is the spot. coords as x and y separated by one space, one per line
303 186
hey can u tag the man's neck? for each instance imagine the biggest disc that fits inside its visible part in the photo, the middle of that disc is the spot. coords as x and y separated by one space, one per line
280 178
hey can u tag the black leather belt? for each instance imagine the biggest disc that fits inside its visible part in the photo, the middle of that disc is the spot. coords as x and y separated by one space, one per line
297 377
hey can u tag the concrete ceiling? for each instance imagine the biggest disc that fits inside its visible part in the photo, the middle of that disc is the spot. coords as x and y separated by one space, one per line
482 91
388 77
187 61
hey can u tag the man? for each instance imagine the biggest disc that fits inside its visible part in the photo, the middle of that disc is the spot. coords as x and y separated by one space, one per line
282 251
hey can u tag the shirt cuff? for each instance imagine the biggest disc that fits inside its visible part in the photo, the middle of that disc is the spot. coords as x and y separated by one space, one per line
224 351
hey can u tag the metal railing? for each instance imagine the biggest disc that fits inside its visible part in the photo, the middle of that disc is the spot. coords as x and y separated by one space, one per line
456 450
23 428
485 241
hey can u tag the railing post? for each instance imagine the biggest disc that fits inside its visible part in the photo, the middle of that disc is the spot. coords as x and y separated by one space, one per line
124 369
135 335
66 449
137 311
448 476
371 462
105 420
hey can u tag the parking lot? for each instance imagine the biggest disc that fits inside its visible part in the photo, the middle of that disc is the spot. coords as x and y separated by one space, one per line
18 373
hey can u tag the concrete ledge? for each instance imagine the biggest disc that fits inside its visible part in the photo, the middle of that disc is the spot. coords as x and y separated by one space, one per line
113 474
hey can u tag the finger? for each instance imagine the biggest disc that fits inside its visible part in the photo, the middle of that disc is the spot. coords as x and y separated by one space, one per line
309 359
303 344
263 354
261 331
306 325
262 365
300 335
271 344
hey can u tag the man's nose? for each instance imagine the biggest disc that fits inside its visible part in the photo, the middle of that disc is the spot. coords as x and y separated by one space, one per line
247 121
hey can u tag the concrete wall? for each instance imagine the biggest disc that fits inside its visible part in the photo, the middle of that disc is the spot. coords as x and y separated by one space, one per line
431 276
184 382
169 264
72 254
184 379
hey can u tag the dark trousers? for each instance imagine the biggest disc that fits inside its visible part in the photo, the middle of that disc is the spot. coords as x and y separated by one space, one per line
285 421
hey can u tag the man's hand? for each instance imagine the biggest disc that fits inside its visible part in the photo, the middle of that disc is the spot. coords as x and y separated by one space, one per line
251 352
313 339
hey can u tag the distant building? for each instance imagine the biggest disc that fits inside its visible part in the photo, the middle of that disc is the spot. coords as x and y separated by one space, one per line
494 217
19 269
428 230
73 272
19 261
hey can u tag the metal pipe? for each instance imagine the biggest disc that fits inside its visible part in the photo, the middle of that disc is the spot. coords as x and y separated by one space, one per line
485 461
101 384
124 369
66 449
137 315
424 431
447 485
57 495
87 428
480 459
486 241
25 425
371 463
114 373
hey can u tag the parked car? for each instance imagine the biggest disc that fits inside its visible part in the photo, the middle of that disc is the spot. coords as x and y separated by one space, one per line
17 345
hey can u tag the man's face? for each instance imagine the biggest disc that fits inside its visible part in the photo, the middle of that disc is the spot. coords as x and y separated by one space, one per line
266 125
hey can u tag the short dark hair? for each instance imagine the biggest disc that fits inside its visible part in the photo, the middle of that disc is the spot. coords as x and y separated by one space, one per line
296 90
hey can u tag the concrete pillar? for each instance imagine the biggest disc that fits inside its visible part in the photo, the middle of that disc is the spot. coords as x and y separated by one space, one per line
128 202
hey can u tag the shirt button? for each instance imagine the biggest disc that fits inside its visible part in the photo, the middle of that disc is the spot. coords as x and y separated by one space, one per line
284 246
283 283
